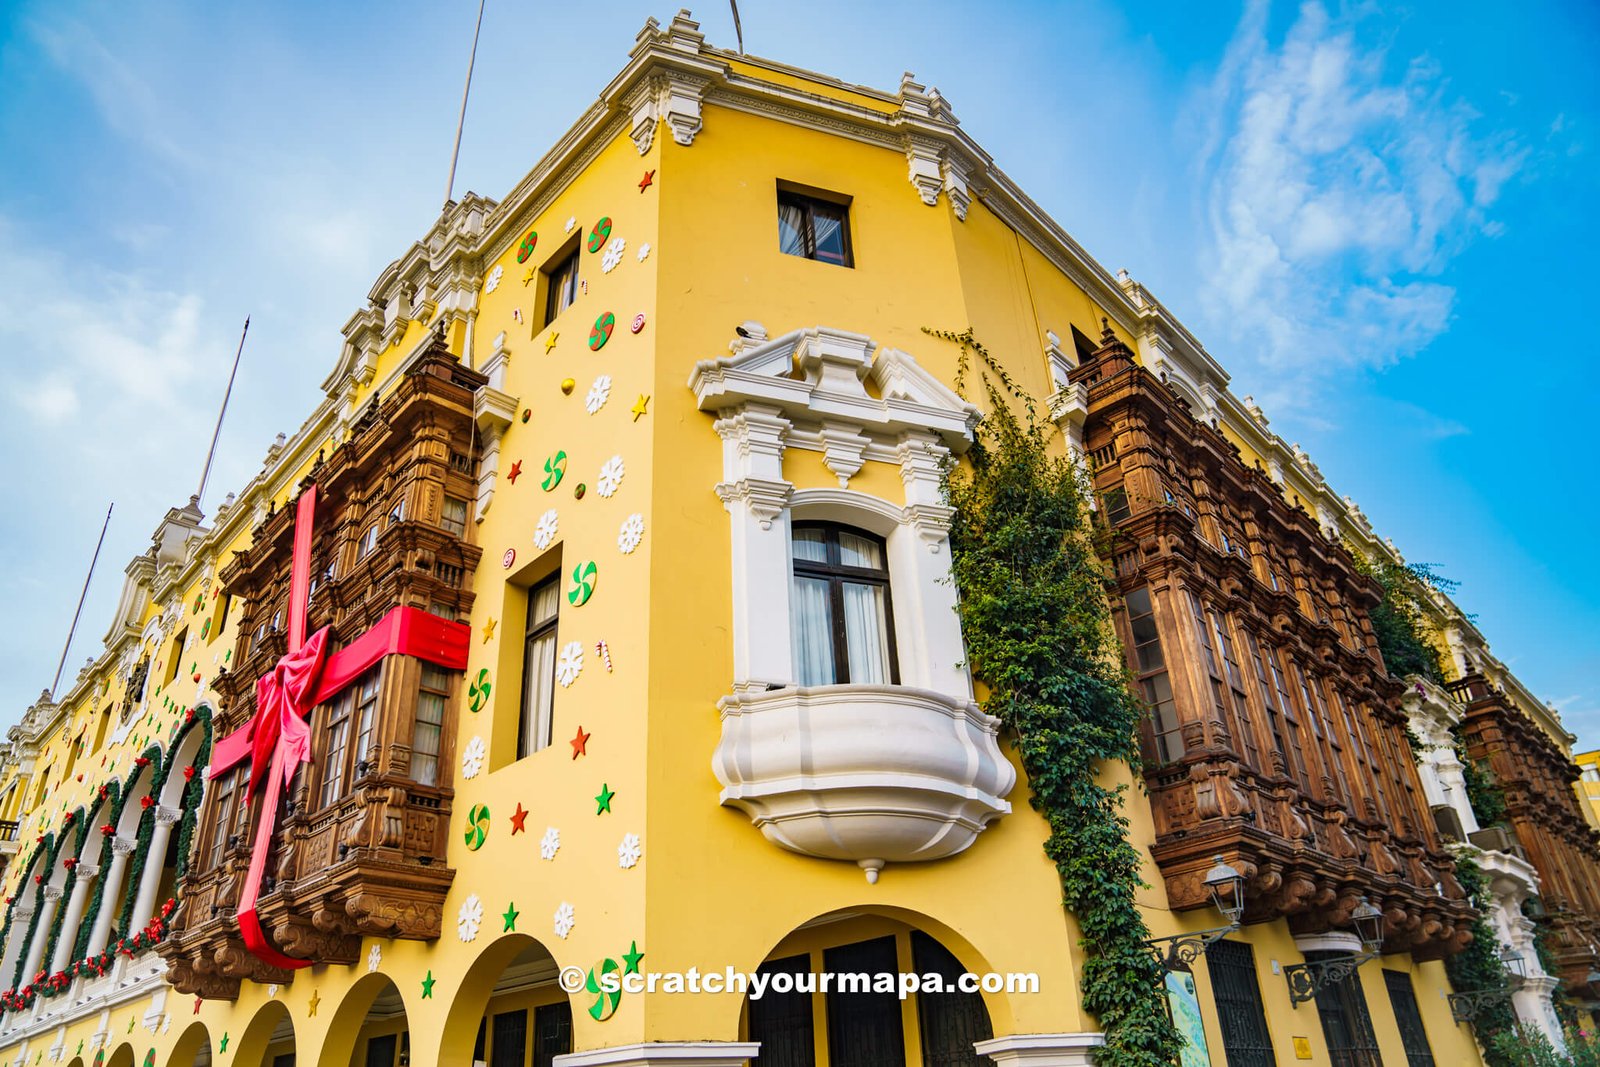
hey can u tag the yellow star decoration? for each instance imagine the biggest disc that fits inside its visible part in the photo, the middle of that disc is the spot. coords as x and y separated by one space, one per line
488 631
316 998
528 277
639 407
550 342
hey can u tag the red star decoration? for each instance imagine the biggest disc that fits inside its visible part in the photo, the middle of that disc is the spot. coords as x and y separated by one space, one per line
518 818
578 744
516 471
648 180
197 1005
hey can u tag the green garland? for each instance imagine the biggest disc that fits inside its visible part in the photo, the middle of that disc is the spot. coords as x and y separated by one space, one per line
1034 613
118 795
1478 966
147 826
48 847
81 819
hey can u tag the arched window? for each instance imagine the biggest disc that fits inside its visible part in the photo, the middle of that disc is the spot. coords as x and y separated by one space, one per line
841 617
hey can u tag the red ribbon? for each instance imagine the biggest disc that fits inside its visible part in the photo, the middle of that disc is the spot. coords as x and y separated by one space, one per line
277 739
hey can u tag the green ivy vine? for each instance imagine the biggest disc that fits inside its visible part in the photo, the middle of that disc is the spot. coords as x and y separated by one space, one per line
1478 966
1399 619
1036 620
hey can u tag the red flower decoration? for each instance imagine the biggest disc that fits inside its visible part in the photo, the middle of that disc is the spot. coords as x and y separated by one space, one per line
38 879
188 774
142 761
108 829
68 820
188 716
145 801
70 862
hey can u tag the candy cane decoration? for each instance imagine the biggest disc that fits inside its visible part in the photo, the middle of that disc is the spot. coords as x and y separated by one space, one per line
605 653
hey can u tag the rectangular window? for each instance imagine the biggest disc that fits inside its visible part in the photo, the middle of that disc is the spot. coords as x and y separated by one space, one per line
223 808
561 285
843 631
1272 701
453 515
1241 704
1154 685
1345 1022
338 731
366 688
814 229
864 1029
539 667
552 1032
1239 1012
1413 1037
782 1021
429 725
1117 507
369 541
510 1046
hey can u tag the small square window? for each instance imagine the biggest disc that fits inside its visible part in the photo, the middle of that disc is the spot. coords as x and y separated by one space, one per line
453 516
814 229
369 541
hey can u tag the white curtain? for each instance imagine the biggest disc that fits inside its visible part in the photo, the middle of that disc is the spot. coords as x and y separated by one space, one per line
791 230
539 674
830 245
866 633
813 632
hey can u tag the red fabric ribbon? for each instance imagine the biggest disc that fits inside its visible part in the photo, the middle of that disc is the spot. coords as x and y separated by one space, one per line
277 739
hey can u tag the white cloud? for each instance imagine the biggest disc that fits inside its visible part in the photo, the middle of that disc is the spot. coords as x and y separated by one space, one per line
1337 191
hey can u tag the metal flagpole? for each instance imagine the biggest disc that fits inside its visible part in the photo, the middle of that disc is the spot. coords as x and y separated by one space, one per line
455 153
205 473
737 31
74 627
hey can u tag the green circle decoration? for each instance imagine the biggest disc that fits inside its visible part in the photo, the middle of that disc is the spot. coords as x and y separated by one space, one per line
554 468
477 826
602 331
584 576
598 235
527 246
479 691
605 1001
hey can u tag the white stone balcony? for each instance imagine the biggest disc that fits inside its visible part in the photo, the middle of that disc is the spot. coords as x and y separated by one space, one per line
868 774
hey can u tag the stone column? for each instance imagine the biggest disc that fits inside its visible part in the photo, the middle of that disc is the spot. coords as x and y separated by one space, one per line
121 849
41 933
144 905
85 876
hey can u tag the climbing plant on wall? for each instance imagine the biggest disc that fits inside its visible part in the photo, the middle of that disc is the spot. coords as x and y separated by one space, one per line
1036 620
1478 966
1398 621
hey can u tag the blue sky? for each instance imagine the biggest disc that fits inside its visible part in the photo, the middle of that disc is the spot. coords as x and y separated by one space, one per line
1379 218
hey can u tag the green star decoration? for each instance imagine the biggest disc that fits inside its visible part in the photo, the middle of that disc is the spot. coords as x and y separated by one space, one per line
603 801
222 1045
632 958
80 1049
427 986
510 917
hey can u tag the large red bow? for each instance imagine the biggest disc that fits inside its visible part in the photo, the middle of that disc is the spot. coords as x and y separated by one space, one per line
277 739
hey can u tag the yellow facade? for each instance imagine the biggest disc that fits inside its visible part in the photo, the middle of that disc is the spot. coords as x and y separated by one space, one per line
710 891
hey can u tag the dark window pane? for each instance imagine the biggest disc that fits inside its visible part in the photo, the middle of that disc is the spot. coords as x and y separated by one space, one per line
951 1023
381 1050
1345 1022
1412 1034
1232 965
552 1032
864 1028
510 1039
782 1021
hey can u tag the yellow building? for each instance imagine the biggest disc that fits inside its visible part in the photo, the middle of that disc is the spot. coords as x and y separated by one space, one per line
656 442
1589 784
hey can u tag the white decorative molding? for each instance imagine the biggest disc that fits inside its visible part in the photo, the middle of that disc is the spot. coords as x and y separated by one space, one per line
493 411
923 159
675 1053
1042 1050
869 774
1329 941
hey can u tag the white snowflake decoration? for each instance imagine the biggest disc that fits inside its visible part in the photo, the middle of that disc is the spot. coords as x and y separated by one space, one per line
629 851
570 663
374 958
272 990
472 758
599 393
550 843
571 222
565 920
469 918
610 476
644 251
631 534
545 531
613 256
493 282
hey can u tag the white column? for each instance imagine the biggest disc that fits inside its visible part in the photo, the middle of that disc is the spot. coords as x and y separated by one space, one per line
1042 1050
121 849
756 496
144 905
41 933
85 876
16 950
